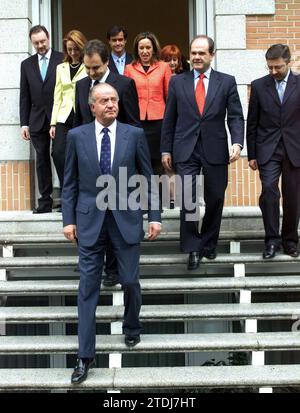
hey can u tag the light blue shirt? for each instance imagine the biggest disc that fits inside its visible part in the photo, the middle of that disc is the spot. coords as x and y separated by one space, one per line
205 80
120 62
281 85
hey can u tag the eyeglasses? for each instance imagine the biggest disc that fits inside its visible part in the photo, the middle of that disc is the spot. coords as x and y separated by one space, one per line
276 67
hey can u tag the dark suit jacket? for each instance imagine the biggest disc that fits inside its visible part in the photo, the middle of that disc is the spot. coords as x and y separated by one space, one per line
183 123
36 96
128 103
269 120
112 66
82 169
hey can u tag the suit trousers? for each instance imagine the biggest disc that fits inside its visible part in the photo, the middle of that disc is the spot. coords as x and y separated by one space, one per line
90 266
269 202
215 183
59 149
41 142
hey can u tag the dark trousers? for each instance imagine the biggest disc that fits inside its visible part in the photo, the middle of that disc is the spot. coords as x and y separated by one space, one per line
215 183
59 149
90 265
269 202
41 142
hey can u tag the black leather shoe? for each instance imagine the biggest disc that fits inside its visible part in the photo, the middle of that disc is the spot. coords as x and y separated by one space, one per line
81 370
270 251
41 210
291 251
194 260
132 341
110 280
210 254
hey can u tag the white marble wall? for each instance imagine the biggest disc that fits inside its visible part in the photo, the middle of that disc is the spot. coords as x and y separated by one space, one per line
15 21
232 56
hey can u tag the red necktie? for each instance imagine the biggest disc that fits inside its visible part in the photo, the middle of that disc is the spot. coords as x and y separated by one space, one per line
200 93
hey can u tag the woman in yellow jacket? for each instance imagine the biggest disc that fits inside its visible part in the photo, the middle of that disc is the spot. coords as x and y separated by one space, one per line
67 74
152 78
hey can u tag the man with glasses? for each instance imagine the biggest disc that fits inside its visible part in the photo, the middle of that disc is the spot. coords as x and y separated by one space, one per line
273 141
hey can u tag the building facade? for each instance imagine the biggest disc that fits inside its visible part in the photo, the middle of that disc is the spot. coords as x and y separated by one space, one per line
243 30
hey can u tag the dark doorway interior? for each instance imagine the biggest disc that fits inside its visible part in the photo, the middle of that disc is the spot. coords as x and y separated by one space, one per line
168 19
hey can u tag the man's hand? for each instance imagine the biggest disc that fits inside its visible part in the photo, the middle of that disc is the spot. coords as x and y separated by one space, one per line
25 133
235 153
153 231
166 161
70 232
52 132
253 164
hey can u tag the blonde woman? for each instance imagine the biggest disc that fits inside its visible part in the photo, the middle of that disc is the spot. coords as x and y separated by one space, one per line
67 74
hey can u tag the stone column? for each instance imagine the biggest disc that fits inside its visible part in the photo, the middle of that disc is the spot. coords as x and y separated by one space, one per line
16 187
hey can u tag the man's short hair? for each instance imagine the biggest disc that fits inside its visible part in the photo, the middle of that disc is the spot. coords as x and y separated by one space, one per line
211 43
98 47
276 51
115 30
37 29
100 86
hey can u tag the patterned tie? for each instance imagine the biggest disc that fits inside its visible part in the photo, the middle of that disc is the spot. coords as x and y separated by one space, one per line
105 157
200 93
44 67
280 89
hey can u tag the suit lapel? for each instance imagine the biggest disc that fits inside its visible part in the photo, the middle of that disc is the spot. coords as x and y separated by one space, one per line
51 66
213 87
290 87
113 65
36 67
120 147
90 145
189 90
112 78
128 59
271 88
84 94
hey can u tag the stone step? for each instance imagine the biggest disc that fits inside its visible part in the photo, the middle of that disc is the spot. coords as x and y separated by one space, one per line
149 313
25 222
172 378
166 259
50 239
183 285
155 343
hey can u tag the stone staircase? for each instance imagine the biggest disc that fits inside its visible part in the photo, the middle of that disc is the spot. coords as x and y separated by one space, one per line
238 290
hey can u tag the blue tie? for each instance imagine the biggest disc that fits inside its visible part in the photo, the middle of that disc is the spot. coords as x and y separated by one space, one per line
105 157
280 89
44 67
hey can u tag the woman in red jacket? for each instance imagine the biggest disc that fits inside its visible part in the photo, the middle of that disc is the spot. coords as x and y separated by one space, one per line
152 78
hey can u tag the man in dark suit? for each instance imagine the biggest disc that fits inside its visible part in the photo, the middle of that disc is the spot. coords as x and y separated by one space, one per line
94 151
194 138
96 63
118 58
273 141
38 76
